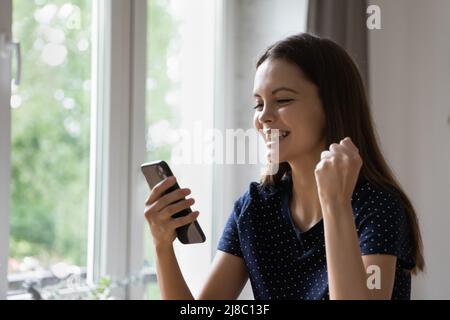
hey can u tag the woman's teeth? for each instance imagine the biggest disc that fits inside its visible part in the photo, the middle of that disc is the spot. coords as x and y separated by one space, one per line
271 136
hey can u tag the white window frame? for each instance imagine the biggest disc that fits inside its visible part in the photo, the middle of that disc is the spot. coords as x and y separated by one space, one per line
118 144
115 241
5 146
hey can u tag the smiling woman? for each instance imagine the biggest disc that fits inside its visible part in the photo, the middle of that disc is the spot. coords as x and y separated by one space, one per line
294 101
332 211
339 211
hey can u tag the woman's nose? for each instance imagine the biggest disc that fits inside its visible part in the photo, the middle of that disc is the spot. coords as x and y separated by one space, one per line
266 115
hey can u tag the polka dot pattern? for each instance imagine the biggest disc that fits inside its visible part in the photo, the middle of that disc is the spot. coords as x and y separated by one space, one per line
286 263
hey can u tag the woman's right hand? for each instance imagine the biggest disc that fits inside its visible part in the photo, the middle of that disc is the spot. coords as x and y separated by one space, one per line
160 208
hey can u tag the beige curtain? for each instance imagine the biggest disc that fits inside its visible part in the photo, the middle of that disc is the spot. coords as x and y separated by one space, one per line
343 21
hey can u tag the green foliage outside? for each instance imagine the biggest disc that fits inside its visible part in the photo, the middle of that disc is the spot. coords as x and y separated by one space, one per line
51 132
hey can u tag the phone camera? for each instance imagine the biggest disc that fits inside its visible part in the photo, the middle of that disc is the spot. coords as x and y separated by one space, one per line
161 173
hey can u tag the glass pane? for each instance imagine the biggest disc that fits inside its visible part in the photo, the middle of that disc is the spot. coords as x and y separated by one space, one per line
163 44
180 86
50 139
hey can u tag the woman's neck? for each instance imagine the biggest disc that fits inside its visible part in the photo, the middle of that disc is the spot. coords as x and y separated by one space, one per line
305 205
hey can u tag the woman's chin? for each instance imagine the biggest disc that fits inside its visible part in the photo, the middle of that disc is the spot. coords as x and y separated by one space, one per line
275 158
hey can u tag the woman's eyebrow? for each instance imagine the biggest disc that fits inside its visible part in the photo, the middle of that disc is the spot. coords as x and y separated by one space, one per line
277 90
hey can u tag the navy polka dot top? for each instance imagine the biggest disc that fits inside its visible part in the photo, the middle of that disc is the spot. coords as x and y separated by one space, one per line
285 263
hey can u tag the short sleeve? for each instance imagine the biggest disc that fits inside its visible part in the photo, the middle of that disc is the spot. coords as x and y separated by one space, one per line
229 241
383 227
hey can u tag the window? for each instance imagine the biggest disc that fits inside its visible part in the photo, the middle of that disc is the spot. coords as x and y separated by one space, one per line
50 140
180 85
76 136
75 147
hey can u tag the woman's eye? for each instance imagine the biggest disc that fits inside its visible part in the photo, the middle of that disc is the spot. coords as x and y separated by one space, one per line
282 101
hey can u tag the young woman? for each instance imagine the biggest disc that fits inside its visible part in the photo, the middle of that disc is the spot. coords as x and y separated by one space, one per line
332 223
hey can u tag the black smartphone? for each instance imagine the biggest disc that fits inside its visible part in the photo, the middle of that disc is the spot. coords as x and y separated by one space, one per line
157 171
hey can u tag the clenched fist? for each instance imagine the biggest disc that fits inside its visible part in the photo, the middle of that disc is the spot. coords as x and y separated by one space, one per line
337 172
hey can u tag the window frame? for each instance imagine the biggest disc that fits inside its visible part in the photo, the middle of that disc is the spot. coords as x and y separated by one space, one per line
118 145
5 147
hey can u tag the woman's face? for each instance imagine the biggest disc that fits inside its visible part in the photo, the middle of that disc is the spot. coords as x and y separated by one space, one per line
286 100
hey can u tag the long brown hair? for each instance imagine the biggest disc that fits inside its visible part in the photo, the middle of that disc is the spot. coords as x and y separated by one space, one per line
347 113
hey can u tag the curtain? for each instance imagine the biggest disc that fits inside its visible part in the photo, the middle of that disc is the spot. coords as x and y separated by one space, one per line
344 22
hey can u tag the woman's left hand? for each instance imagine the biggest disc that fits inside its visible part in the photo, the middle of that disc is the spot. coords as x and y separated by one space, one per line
337 173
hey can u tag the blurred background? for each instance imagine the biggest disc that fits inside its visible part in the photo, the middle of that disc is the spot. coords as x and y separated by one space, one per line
102 86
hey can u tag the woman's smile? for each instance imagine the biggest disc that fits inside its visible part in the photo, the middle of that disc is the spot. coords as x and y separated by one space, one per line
272 135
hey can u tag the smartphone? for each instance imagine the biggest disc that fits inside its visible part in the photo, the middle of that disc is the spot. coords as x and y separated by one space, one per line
154 173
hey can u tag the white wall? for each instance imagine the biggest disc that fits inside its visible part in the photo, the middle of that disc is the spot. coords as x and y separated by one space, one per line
250 27
410 82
